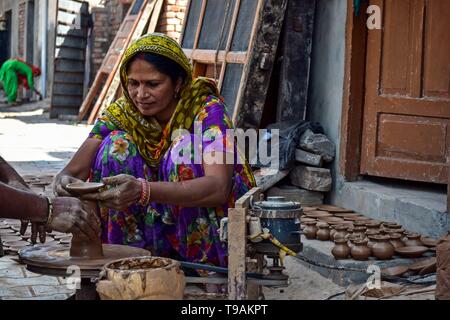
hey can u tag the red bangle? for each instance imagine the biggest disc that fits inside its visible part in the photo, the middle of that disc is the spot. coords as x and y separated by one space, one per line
145 192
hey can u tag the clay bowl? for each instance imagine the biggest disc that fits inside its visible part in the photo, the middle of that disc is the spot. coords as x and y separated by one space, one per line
332 220
307 209
396 271
428 241
317 214
16 243
11 238
412 251
419 265
357 218
80 188
346 215
5 232
65 241
334 209
430 268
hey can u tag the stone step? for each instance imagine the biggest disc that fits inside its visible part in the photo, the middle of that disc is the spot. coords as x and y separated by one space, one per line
418 209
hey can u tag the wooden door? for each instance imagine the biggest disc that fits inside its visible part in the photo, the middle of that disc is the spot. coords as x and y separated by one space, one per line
406 128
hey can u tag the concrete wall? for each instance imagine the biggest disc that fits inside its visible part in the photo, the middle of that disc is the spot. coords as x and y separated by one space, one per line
327 74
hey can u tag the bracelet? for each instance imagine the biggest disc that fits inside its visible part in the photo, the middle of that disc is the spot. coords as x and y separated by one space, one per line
145 192
49 210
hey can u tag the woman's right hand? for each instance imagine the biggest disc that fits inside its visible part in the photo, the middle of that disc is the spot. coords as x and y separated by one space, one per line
60 183
70 215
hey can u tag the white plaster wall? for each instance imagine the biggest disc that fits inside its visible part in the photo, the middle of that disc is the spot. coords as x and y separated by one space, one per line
327 74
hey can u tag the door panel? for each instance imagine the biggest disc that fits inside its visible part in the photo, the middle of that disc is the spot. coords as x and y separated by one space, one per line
407 102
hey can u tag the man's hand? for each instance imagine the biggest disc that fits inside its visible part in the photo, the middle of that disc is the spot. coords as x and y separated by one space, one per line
70 215
125 191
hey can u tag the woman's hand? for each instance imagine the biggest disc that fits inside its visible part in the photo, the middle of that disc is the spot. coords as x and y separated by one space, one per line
125 191
70 215
60 183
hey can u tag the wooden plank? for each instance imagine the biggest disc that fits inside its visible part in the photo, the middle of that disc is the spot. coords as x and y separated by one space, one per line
200 23
71 6
237 243
63 30
68 77
295 66
229 40
249 107
70 42
208 56
67 89
70 53
266 177
67 65
252 195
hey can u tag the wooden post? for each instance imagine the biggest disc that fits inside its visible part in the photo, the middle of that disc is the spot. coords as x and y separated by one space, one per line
237 243
295 66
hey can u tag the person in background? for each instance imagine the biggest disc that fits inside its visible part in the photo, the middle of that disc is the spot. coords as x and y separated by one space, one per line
15 72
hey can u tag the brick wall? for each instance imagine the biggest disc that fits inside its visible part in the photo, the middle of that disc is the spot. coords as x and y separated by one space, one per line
172 17
106 22
21 35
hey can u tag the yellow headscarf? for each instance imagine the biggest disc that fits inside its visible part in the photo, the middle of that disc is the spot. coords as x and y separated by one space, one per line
153 141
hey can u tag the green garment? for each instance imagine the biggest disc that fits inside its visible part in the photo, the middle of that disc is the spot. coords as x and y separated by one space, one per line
9 73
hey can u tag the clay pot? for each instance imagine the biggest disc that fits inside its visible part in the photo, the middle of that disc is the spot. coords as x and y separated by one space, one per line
332 231
340 250
310 230
413 239
360 250
142 278
323 233
382 248
359 223
81 248
360 232
341 232
369 234
396 240
373 225
391 225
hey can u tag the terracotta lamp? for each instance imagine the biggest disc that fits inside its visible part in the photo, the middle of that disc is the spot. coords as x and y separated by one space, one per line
79 247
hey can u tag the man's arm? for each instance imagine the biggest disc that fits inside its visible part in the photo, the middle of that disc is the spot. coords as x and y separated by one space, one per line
10 176
21 204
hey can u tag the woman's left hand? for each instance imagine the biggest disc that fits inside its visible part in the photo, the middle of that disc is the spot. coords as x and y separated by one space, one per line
125 191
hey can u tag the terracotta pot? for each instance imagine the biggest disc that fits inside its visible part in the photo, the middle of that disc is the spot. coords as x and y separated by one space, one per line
373 225
391 225
310 230
323 233
360 250
359 231
341 232
369 234
359 223
332 231
382 248
396 240
340 250
142 278
413 239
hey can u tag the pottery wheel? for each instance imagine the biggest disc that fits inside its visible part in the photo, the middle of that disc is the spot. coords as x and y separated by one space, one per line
53 260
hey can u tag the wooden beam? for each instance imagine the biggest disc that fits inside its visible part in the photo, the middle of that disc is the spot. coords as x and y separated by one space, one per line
244 201
251 99
237 244
295 66
208 56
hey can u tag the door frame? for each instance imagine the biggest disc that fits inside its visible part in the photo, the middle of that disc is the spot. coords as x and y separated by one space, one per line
354 92
354 96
